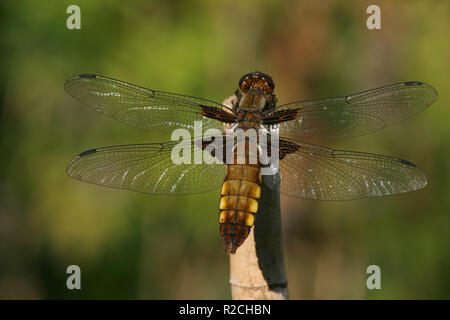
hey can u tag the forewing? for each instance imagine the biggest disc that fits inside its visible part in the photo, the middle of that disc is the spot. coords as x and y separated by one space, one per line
147 168
144 108
353 115
314 172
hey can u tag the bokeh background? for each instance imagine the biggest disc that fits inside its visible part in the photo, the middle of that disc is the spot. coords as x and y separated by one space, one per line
132 245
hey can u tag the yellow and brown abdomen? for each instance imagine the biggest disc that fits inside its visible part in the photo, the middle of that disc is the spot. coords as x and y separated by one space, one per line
238 204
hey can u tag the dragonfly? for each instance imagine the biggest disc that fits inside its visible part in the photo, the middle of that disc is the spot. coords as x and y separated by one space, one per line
304 170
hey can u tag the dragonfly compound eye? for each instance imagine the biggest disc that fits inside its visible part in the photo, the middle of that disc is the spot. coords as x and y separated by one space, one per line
256 80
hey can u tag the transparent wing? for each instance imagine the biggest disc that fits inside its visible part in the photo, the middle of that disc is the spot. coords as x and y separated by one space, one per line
147 168
144 108
314 172
353 115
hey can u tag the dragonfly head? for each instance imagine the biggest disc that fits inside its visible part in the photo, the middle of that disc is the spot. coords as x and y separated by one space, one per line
256 81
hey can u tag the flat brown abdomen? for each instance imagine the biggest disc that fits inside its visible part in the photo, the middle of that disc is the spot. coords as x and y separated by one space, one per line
238 204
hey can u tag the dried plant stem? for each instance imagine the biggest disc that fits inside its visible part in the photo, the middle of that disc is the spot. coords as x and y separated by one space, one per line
257 269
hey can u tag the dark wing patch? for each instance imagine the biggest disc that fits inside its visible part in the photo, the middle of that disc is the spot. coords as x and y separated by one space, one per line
87 75
280 116
413 83
407 163
87 152
218 114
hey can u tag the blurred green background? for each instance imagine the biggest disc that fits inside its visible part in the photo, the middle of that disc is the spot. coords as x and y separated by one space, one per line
132 245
